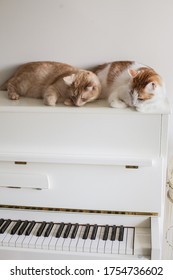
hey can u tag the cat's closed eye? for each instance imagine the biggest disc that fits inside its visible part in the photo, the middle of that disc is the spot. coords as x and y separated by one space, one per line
88 88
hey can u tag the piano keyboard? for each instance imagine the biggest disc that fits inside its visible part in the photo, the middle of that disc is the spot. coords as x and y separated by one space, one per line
76 237
70 237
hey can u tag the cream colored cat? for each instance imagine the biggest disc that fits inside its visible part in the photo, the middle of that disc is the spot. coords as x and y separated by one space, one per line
55 82
127 83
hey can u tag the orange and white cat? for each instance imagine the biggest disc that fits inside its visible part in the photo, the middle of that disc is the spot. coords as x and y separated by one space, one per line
55 82
128 83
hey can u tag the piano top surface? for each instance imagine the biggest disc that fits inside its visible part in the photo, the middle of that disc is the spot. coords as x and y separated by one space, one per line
25 104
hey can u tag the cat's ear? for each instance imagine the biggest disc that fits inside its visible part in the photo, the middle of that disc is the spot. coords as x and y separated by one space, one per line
69 79
133 73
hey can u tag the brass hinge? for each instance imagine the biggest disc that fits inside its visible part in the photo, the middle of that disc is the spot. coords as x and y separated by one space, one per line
20 162
132 166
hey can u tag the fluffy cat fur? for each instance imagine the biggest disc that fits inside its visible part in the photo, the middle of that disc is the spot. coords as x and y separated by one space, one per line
55 82
127 83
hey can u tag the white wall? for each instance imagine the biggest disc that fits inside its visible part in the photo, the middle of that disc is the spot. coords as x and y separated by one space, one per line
87 32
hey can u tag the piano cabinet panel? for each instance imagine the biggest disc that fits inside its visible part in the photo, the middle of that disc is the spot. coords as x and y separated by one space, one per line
80 132
84 186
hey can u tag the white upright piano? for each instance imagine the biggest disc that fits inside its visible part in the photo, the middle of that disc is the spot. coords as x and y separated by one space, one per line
81 183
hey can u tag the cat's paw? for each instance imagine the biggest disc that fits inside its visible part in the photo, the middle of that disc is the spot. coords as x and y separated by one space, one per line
117 104
141 108
50 100
68 102
13 96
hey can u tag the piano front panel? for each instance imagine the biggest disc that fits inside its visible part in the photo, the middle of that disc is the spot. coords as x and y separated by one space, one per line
80 132
94 158
83 186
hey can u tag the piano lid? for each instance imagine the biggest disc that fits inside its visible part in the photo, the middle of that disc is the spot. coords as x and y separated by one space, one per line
25 104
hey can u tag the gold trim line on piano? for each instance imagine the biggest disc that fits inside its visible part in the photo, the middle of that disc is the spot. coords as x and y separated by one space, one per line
77 210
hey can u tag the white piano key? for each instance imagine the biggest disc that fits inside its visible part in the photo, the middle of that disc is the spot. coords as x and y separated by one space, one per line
13 239
20 239
122 244
40 239
88 241
67 241
27 240
74 241
130 241
81 241
95 242
115 245
54 239
101 244
47 240
109 243
60 240
32 242
6 236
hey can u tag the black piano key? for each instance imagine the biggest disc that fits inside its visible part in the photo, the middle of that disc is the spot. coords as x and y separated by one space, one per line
41 228
48 230
121 233
5 226
113 233
15 227
23 227
75 230
1 221
60 229
94 232
67 230
87 228
106 232
30 227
